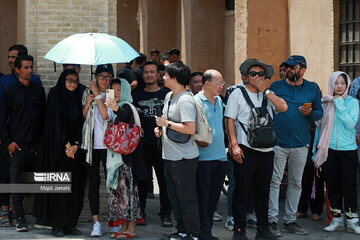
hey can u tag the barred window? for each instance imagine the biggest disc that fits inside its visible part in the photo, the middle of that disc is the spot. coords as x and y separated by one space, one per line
350 37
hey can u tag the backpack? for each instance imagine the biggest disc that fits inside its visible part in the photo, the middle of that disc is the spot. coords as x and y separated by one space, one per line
261 131
202 136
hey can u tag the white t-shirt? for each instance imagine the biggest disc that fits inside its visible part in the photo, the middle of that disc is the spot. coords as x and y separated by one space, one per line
99 130
238 109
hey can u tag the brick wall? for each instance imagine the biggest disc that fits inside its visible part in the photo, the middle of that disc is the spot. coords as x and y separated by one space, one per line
47 22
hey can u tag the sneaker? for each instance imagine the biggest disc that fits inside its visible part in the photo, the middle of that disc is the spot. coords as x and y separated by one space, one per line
274 229
239 235
251 221
217 217
353 227
294 228
166 221
57 232
97 230
72 231
229 224
21 225
264 233
164 236
335 225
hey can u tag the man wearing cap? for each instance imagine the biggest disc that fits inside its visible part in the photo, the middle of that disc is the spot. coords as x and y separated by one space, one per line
251 165
173 55
96 116
293 140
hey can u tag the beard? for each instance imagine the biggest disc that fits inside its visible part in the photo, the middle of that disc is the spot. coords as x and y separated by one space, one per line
293 77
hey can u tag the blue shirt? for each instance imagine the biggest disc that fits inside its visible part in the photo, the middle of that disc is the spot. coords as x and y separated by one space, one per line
293 127
11 78
214 116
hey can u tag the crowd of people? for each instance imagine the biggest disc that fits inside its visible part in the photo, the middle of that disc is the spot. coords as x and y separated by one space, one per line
257 133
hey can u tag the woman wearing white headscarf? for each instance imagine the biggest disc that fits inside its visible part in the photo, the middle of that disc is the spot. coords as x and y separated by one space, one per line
336 151
123 202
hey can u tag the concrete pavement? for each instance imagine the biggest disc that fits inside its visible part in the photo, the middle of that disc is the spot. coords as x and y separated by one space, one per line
153 228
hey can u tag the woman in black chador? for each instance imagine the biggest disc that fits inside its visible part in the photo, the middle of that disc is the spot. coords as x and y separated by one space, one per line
59 152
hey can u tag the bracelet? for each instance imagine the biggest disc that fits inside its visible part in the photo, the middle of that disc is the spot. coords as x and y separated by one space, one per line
98 97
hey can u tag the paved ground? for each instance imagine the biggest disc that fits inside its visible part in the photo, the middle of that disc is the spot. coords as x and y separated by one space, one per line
151 231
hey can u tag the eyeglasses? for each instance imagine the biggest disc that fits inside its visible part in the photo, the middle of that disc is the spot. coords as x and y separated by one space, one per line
70 80
253 73
282 70
102 77
220 84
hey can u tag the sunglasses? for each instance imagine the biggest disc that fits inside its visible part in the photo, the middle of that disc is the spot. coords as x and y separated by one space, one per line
260 74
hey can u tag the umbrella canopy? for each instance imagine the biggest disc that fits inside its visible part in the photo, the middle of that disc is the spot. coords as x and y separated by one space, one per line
91 49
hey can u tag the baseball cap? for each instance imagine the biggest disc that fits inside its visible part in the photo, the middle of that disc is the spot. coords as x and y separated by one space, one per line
104 68
295 60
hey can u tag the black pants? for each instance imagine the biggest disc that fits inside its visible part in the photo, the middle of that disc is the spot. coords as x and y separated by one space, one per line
93 171
316 205
210 178
4 174
181 185
152 157
256 169
340 171
22 161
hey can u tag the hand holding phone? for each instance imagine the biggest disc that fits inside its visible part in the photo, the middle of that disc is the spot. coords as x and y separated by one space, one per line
307 105
110 95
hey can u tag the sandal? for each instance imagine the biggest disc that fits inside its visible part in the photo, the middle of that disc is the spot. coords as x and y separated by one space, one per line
115 235
126 236
5 220
166 221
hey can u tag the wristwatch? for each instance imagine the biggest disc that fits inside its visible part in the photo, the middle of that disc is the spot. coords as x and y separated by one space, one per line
169 125
267 91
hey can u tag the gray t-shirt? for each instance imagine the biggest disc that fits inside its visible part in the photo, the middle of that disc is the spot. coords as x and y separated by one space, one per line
182 111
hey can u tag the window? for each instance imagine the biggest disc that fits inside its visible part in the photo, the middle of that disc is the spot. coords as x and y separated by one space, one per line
229 4
349 38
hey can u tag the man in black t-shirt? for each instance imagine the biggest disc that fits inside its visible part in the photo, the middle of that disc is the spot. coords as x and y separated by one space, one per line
147 100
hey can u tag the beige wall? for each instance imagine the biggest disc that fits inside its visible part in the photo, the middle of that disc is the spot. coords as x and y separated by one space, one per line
127 22
207 35
268 35
161 33
49 21
312 35
229 55
8 31
241 35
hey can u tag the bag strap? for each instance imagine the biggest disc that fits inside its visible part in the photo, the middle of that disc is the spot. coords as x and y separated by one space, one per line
246 96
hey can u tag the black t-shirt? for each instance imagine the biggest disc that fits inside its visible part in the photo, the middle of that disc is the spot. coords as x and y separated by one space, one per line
147 102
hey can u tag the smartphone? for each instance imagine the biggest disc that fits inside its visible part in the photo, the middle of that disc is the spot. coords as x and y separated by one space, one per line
109 94
307 105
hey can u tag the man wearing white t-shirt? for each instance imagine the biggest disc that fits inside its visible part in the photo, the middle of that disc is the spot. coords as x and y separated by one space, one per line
251 164
96 116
